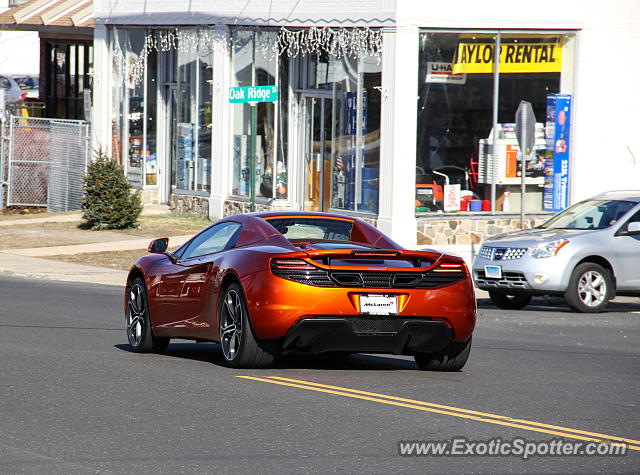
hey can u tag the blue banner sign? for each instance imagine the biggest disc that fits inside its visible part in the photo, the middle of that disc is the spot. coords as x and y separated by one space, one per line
557 131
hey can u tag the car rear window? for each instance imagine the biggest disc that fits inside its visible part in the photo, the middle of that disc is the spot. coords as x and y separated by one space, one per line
26 82
313 228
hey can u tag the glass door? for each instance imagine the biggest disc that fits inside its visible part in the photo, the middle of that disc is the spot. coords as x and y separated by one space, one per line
317 149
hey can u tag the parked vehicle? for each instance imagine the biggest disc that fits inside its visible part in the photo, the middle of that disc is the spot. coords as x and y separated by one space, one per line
11 89
263 283
587 253
28 84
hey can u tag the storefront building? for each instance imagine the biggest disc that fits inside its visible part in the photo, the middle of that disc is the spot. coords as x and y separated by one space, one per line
397 113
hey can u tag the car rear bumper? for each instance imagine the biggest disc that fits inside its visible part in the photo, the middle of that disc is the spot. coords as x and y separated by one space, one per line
367 335
277 304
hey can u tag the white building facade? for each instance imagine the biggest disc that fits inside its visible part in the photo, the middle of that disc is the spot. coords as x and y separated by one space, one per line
386 109
19 50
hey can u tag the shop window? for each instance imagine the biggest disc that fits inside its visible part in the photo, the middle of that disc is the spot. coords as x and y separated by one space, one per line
252 67
151 144
243 53
67 71
135 112
205 113
192 121
134 104
348 139
118 90
184 140
455 118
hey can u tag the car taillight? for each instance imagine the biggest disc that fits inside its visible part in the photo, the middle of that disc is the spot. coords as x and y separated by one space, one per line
291 264
450 268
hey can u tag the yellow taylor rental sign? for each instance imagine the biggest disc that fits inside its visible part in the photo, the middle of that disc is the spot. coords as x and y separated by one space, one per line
514 58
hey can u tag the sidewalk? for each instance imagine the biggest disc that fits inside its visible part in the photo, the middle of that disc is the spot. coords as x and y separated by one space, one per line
25 262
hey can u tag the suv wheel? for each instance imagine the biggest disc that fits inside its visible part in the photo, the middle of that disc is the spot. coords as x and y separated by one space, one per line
590 288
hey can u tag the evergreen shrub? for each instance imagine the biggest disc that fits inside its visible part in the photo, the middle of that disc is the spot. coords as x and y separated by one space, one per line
108 202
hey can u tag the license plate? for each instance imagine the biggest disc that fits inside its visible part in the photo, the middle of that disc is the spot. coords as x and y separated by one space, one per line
423 191
493 272
379 304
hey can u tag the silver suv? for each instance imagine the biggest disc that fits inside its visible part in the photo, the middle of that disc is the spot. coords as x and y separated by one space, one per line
588 253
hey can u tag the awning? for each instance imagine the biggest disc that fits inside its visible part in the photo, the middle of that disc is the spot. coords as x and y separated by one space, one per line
53 16
290 13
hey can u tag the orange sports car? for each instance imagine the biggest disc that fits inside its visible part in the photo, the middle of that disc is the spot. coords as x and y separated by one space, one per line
265 283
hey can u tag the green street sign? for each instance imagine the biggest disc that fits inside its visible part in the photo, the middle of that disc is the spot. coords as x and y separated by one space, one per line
241 95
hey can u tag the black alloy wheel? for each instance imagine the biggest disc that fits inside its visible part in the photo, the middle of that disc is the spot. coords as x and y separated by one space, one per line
240 346
139 331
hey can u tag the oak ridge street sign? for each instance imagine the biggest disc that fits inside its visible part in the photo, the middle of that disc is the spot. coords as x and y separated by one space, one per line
241 95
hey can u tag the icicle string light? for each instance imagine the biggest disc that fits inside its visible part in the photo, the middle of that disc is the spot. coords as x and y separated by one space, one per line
336 42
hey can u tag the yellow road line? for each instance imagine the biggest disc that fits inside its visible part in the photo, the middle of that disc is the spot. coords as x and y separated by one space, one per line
458 409
344 392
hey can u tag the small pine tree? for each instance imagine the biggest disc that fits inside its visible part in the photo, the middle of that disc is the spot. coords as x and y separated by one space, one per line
108 202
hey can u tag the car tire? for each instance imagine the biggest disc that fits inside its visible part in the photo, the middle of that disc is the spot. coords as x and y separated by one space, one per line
240 346
509 301
590 288
138 321
451 358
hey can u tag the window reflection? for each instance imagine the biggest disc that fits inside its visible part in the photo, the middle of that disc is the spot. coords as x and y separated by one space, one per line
192 121
253 68
351 131
455 116
150 153
135 106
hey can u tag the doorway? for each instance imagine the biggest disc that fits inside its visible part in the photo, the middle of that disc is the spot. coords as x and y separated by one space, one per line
317 147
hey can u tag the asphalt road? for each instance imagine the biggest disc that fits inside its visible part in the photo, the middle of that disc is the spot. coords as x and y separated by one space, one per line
73 399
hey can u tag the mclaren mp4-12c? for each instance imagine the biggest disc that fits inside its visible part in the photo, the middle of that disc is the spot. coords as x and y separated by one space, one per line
265 283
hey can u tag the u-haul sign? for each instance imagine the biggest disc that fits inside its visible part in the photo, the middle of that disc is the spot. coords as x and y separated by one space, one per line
443 73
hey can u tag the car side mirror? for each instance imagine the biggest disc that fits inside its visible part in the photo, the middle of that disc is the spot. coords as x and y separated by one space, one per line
633 228
158 246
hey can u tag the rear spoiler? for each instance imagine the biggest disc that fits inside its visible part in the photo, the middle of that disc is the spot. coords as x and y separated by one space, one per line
421 261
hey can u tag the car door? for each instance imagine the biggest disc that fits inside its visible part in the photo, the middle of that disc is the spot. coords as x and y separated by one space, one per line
628 247
184 284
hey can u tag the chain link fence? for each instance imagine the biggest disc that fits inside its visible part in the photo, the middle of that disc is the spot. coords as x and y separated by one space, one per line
43 162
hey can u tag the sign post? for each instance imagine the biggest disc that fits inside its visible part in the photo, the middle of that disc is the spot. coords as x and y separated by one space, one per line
526 135
252 95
